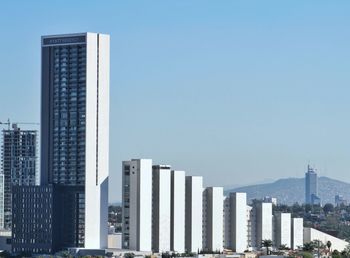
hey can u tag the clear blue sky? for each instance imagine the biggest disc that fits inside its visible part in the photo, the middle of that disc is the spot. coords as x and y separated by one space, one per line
236 91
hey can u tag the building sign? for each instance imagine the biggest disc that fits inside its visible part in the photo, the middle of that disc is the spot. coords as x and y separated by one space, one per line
64 40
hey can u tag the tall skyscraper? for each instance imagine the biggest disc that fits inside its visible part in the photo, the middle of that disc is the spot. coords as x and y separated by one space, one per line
311 186
137 204
161 217
75 127
178 195
19 166
74 140
193 213
213 201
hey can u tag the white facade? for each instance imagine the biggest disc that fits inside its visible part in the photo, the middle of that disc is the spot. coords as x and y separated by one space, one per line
297 233
97 131
161 217
137 204
283 231
193 213
311 234
178 211
239 223
213 218
264 228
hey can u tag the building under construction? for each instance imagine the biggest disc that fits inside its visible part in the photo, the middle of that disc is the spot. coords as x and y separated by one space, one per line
18 166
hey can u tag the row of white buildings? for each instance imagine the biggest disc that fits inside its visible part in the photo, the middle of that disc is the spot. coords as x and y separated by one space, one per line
165 210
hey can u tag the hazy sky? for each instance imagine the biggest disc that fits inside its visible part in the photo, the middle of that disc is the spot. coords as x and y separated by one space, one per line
236 91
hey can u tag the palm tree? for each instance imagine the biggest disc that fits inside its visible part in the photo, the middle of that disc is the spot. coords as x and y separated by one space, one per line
267 243
329 244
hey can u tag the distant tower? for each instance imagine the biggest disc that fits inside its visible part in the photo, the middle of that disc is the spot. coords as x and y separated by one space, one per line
311 186
19 167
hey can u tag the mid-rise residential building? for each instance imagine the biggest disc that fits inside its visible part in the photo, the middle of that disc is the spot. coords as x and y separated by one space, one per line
263 222
297 233
137 204
193 213
161 211
283 230
75 134
239 222
178 196
311 186
213 219
19 166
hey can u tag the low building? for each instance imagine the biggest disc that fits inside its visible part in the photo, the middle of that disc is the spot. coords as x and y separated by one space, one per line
44 218
5 240
115 241
311 234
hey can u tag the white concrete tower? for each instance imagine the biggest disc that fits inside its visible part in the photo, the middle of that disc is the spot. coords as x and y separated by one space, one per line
178 211
193 213
161 216
239 229
263 226
213 201
297 233
283 230
137 204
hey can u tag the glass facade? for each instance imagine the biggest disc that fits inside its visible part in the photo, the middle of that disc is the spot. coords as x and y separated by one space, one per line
19 157
68 68
69 111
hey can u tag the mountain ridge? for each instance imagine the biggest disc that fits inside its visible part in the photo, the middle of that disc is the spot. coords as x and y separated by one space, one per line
292 190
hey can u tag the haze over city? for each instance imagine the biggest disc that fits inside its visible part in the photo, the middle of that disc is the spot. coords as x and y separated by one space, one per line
219 89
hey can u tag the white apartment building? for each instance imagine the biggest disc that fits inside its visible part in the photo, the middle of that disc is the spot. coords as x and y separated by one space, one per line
283 230
193 213
297 233
161 217
213 218
263 222
239 222
137 205
178 195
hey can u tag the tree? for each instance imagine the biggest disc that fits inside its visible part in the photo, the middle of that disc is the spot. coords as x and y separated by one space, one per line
328 207
308 247
329 244
283 247
267 243
129 255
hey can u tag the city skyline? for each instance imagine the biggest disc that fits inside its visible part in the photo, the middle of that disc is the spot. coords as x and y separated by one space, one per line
206 83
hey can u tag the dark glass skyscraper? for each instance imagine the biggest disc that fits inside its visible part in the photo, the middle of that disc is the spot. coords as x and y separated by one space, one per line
75 129
74 144
311 186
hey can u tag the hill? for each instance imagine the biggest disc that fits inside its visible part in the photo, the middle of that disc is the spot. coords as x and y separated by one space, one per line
292 190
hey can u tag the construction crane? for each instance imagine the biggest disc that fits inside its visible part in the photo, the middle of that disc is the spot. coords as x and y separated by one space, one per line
14 125
8 123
